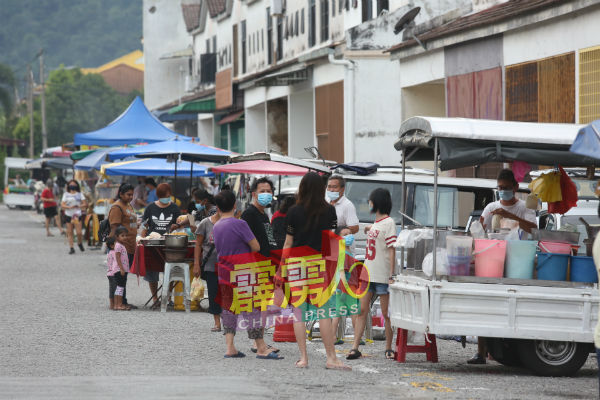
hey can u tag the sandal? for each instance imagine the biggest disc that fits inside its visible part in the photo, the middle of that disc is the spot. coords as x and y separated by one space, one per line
273 349
390 354
354 354
215 329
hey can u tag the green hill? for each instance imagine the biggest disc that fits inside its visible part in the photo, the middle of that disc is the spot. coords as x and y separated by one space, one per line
83 33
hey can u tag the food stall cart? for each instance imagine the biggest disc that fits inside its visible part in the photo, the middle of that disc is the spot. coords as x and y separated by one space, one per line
547 326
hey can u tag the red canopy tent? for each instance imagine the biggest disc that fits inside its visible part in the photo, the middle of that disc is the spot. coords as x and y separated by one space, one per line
263 167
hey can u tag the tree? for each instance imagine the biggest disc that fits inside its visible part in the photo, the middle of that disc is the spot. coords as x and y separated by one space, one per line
77 103
7 87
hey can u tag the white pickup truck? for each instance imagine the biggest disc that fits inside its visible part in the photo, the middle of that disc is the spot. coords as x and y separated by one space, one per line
546 326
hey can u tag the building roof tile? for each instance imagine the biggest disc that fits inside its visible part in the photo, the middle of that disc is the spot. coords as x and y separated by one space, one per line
216 7
191 16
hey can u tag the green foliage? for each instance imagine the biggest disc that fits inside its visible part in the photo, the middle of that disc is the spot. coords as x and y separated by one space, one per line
21 131
78 103
2 157
84 33
7 85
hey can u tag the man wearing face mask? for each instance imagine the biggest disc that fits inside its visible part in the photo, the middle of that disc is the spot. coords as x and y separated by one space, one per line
508 207
257 219
511 208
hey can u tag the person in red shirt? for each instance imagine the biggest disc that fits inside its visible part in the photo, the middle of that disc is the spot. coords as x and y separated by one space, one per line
50 208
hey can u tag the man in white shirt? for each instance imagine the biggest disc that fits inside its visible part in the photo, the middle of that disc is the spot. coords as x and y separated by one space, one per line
347 222
511 208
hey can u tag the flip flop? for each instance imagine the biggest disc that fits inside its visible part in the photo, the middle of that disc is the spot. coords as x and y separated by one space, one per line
274 350
354 354
342 367
271 356
390 354
238 355
215 329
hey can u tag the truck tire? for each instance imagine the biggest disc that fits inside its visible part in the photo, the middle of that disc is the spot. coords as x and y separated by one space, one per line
505 351
553 358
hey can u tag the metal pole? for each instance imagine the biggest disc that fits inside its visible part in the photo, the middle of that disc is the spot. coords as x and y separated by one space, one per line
43 102
403 204
30 109
435 206
191 177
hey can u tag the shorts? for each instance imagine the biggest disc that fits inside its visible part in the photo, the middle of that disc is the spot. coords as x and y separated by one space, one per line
114 281
50 212
378 288
250 321
67 219
151 276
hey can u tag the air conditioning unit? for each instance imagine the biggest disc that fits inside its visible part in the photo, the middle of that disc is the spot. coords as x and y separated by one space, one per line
277 8
191 82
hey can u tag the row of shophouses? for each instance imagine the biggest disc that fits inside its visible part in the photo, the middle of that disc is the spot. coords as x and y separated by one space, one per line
341 75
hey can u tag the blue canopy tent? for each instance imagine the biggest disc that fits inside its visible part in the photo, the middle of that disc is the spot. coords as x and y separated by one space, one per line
135 125
94 160
153 167
176 148
587 141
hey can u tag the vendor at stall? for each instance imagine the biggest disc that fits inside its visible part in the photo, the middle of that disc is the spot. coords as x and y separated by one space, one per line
158 217
508 207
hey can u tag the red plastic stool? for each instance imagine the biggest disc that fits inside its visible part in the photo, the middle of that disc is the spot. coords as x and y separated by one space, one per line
430 347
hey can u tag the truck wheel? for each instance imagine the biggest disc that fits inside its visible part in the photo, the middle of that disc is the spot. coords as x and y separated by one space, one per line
505 351
552 358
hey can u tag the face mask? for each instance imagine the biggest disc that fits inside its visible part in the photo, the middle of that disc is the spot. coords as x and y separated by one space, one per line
165 200
332 196
264 199
200 207
371 208
72 187
506 195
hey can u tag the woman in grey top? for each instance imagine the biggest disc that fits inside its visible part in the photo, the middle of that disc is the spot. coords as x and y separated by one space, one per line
205 259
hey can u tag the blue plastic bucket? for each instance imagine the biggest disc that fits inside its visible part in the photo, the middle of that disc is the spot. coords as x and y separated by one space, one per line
583 269
520 259
552 266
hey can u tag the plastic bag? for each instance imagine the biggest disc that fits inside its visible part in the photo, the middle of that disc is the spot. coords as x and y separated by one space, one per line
476 230
441 261
409 237
569 195
197 289
547 187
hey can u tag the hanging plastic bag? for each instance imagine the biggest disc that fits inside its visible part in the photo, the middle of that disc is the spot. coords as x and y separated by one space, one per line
441 260
569 195
197 289
547 187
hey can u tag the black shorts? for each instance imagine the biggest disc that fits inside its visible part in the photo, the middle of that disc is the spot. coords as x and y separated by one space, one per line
50 212
67 219
120 280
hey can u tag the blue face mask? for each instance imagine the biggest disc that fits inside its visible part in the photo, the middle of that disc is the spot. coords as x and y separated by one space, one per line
332 196
506 195
165 200
200 207
264 199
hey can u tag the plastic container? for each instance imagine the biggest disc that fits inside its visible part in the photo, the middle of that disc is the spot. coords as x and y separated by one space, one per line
520 259
583 269
555 247
489 258
552 266
459 266
459 250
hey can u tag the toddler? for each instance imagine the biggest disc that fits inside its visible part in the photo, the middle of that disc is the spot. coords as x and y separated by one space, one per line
118 267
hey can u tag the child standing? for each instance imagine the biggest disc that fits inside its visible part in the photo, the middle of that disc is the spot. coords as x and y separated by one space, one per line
118 267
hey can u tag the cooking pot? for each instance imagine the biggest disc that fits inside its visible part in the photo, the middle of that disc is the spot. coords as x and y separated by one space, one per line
176 241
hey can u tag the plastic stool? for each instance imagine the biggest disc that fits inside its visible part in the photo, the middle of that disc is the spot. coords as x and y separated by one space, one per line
402 347
176 272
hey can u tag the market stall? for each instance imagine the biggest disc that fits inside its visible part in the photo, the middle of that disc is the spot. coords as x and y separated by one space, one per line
540 319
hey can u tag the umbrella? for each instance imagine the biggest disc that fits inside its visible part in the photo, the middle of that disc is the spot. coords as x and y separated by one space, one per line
261 167
152 167
94 160
56 163
587 141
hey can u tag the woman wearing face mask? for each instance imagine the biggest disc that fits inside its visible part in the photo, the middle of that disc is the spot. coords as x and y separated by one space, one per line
158 217
73 203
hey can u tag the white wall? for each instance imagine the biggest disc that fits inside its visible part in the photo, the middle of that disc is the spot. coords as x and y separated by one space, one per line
558 36
164 32
423 68
206 129
301 128
377 110
427 100
256 128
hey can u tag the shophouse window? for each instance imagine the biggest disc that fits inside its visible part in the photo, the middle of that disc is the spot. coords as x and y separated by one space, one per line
269 37
324 20
302 22
312 23
333 8
279 38
382 5
243 47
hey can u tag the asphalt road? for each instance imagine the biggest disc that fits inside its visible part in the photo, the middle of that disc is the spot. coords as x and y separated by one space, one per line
58 340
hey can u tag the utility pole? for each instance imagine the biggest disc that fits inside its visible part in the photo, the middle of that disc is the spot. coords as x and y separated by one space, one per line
43 102
30 108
